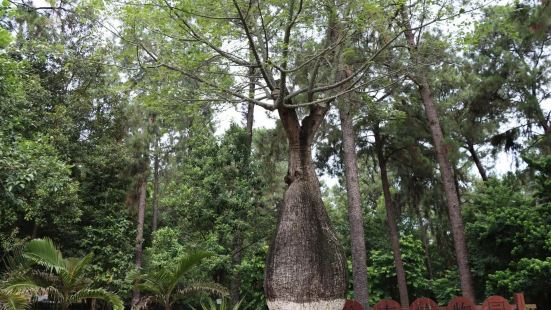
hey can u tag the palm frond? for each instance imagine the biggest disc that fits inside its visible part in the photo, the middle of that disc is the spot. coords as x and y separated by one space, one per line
238 305
144 302
65 277
97 294
44 253
15 262
43 278
148 287
76 266
185 263
135 275
13 301
53 293
207 287
21 285
210 305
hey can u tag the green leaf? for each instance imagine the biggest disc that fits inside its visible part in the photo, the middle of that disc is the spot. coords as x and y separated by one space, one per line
13 301
5 38
98 294
45 253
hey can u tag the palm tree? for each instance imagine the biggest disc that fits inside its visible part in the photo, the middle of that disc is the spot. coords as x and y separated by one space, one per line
163 283
62 278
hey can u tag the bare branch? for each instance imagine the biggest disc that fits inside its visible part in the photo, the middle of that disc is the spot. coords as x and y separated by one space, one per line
265 105
285 52
200 38
325 101
265 74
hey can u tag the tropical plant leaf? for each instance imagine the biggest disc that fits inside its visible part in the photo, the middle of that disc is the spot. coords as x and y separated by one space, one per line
149 287
185 263
76 266
207 287
144 302
97 294
44 279
13 301
53 293
44 253
20 285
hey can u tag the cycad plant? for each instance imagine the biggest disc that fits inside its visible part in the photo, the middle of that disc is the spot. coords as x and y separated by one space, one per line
61 278
11 299
164 285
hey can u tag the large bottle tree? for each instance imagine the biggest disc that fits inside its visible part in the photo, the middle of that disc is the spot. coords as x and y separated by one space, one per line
300 74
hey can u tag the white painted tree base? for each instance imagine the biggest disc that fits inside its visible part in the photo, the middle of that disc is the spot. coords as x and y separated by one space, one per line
336 304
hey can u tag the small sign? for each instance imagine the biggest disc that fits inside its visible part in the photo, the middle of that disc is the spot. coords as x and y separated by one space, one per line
387 304
424 304
352 305
461 303
496 303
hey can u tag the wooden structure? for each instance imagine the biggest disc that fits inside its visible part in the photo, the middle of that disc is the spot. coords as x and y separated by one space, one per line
457 303
387 304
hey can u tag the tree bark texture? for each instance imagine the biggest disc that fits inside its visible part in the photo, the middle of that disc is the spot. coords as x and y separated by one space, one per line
419 77
477 161
154 135
355 215
390 217
306 266
156 186
250 108
450 190
138 251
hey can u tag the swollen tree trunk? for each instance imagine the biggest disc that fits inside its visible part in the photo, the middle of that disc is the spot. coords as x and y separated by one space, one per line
355 216
139 233
477 161
446 171
393 228
306 266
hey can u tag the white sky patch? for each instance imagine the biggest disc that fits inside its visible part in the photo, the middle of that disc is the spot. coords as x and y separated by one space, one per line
228 115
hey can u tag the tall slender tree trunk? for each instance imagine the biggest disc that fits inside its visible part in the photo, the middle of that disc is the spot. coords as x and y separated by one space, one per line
142 192
156 185
390 217
35 230
450 190
306 266
456 182
250 108
446 172
415 201
237 258
355 215
477 161
138 251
